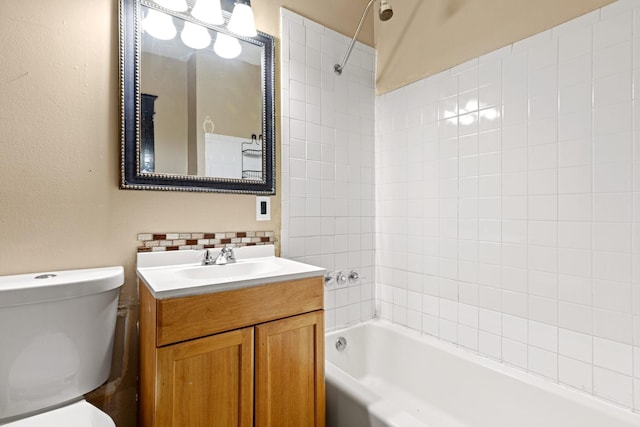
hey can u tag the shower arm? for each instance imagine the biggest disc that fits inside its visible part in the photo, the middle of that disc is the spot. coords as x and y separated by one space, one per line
339 67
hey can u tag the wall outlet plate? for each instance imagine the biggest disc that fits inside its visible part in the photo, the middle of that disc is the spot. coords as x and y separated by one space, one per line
263 208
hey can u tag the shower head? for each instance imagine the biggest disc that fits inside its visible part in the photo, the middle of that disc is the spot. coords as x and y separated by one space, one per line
385 11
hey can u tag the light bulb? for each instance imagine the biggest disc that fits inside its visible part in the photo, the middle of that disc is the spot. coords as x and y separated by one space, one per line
159 25
208 11
195 36
242 21
177 5
226 46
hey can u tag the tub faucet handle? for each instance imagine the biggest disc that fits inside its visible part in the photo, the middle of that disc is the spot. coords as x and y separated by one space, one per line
353 276
327 279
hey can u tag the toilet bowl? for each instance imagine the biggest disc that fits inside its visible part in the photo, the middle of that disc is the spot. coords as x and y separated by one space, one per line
56 335
78 414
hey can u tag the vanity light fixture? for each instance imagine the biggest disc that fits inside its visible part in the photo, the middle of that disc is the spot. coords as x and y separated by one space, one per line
226 46
159 25
176 5
195 36
208 11
242 21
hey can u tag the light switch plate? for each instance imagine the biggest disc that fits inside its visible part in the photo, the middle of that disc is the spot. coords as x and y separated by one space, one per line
263 208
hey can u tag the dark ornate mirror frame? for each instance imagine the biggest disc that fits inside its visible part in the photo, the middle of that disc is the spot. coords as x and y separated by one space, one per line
131 176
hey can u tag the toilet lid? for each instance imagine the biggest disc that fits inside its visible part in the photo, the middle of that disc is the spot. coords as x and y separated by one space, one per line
78 414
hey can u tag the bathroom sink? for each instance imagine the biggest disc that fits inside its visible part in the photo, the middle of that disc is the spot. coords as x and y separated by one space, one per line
239 269
181 273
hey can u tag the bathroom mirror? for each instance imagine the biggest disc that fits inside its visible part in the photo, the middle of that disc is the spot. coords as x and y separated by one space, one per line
197 103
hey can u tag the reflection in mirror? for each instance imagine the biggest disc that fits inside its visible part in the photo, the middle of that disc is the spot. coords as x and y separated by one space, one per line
195 133
203 104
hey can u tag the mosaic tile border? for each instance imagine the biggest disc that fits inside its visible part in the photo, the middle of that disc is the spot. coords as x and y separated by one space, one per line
158 242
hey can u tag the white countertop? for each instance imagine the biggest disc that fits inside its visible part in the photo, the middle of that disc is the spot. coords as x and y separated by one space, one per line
161 271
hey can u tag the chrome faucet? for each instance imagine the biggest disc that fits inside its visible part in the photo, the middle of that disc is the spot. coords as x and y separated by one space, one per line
226 256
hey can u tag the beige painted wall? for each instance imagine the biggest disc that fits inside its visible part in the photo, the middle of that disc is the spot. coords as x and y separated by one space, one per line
60 206
425 37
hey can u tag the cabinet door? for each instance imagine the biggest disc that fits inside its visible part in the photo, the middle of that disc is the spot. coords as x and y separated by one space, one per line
206 382
290 372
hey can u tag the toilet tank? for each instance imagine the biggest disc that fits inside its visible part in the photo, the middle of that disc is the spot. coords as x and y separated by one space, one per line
56 336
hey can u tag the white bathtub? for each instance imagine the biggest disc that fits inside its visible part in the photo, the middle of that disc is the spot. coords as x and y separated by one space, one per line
389 375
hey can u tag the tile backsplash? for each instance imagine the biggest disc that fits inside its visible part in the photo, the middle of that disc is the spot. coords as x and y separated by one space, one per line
153 242
508 204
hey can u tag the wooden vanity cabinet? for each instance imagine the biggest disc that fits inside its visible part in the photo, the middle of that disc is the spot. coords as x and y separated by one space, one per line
247 357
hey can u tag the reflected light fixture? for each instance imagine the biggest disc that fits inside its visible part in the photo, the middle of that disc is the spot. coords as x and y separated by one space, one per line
195 36
176 5
490 113
226 46
208 11
159 25
242 21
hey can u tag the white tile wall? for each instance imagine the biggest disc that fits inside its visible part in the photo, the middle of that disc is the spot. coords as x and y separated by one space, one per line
327 162
508 204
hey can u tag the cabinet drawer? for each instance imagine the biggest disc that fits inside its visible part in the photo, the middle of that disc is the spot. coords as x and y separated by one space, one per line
181 319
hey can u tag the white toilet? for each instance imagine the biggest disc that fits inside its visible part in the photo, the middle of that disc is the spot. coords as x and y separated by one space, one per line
56 340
